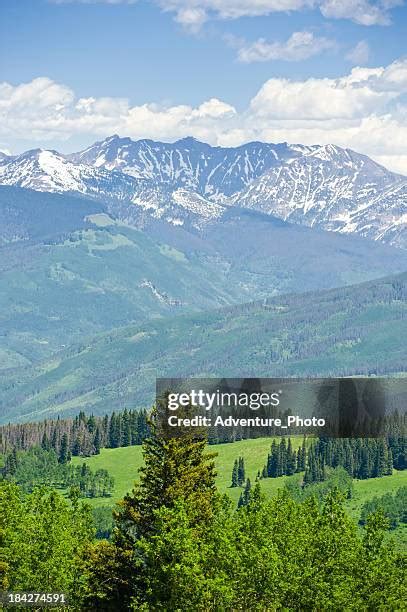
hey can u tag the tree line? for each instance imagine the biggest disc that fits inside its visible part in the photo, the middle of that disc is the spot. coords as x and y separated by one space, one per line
81 436
361 457
86 435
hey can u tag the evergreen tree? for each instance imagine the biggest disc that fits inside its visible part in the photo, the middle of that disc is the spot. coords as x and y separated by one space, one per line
291 459
241 472
45 443
176 470
126 429
302 457
64 454
235 470
11 464
247 492
114 431
96 442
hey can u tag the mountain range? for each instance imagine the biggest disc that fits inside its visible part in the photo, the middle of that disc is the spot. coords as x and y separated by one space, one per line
131 259
69 269
189 182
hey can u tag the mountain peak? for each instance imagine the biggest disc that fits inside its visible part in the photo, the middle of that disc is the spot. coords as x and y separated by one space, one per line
191 140
117 139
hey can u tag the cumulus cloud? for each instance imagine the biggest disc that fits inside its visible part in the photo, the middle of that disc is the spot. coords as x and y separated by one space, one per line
350 97
299 46
359 55
364 110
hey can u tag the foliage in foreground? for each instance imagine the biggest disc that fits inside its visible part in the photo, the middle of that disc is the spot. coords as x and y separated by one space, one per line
178 545
43 539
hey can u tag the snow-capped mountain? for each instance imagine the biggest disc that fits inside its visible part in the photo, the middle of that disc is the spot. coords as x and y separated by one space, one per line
214 172
49 171
43 170
336 190
189 182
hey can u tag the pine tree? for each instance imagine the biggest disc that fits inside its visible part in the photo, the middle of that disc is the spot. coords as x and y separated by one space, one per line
241 472
45 444
389 464
126 425
114 436
11 463
365 464
64 450
235 474
245 496
302 457
175 470
282 468
96 442
273 462
291 459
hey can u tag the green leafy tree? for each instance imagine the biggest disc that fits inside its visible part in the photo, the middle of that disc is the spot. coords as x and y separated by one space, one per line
43 539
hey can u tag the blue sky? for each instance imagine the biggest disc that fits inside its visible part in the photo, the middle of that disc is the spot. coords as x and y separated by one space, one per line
224 71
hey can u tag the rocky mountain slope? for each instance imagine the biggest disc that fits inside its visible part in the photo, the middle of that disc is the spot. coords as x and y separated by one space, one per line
189 182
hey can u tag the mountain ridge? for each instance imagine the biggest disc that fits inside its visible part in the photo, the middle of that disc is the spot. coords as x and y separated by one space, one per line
189 182
336 332
70 268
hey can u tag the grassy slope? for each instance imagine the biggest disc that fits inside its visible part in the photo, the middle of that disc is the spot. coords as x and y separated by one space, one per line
123 464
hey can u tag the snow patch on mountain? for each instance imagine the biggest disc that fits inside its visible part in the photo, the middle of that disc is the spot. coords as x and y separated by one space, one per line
189 183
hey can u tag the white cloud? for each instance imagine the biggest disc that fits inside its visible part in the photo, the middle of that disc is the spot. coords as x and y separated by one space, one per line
193 13
191 18
360 11
363 110
359 55
348 98
299 46
363 12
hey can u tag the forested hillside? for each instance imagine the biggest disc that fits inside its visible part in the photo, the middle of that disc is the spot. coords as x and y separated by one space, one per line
71 268
336 332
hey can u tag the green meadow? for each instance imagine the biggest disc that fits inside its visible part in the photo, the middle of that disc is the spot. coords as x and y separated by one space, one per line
123 464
